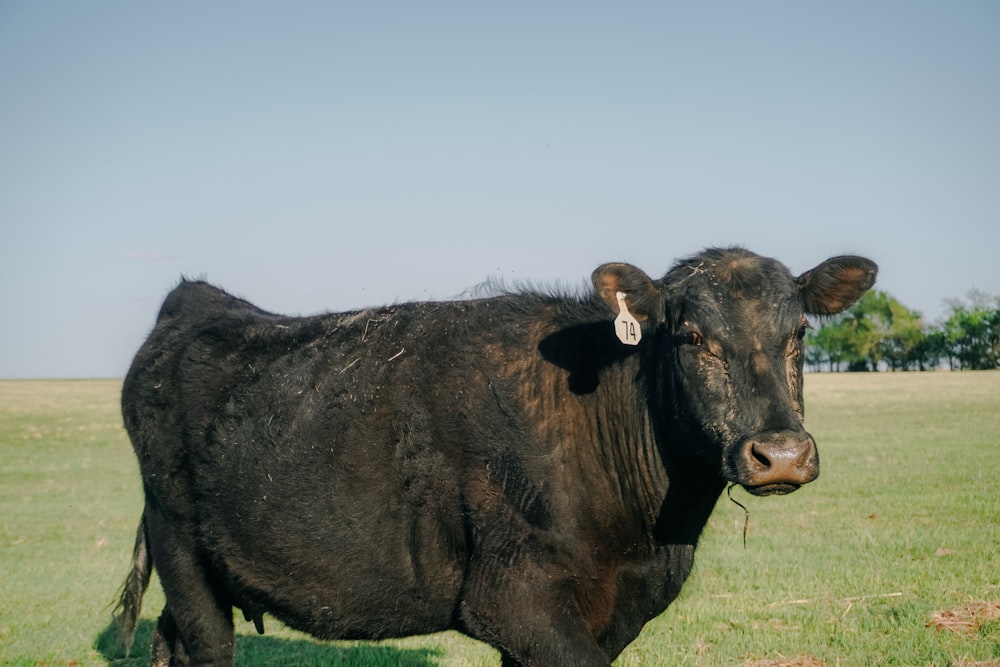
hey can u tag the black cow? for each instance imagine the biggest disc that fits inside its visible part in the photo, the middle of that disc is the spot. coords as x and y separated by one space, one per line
529 469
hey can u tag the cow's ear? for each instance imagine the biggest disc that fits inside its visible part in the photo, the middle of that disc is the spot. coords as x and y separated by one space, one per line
642 297
836 284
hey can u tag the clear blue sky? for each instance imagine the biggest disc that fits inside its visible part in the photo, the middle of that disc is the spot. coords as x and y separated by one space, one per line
314 156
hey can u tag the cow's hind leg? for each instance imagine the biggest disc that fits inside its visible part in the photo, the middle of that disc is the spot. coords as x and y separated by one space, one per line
166 650
196 626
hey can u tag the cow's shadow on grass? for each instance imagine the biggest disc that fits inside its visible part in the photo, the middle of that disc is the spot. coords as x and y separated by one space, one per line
264 650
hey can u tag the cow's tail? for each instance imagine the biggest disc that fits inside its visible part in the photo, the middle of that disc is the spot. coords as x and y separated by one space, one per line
126 611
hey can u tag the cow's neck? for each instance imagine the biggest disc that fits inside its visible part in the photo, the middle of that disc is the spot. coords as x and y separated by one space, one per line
626 443
672 498
686 507
694 486
644 449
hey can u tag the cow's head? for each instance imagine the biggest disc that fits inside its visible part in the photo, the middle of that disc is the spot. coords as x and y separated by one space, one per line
727 327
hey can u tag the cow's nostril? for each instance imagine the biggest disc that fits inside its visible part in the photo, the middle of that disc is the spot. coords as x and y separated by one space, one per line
758 455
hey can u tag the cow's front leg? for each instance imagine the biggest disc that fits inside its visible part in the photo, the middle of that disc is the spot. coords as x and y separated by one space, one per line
528 610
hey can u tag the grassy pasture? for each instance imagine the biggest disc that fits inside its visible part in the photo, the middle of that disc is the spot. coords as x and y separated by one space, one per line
904 522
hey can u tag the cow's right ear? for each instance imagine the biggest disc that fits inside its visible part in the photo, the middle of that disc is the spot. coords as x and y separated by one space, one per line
643 300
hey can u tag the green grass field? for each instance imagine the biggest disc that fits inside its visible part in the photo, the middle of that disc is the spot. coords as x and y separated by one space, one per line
902 529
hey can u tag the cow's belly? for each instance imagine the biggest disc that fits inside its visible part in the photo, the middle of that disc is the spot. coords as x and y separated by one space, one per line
379 574
338 541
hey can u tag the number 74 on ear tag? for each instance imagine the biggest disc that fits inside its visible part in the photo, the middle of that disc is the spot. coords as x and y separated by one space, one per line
627 328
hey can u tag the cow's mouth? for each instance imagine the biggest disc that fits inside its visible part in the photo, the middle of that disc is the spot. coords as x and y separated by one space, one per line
779 489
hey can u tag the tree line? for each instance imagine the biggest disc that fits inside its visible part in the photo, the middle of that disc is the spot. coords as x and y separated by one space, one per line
880 333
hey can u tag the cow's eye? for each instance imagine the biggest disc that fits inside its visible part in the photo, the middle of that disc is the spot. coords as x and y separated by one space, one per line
801 333
689 338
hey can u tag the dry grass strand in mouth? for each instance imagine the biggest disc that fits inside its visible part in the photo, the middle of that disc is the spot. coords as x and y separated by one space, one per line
746 512
966 620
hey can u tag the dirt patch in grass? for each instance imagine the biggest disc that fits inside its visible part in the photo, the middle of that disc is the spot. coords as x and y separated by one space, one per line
782 661
965 620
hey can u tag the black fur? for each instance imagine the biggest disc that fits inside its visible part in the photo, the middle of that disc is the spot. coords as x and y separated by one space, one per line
501 466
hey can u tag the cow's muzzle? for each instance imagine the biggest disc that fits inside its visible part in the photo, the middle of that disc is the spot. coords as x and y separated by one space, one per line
777 463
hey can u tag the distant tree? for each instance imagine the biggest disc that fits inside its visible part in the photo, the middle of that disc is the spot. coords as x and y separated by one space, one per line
905 335
972 332
869 323
931 350
829 344
851 338
877 329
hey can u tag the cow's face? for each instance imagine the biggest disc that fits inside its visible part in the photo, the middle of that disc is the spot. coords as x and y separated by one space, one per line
727 326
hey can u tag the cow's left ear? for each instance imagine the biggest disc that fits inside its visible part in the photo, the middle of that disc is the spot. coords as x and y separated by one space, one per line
642 298
833 286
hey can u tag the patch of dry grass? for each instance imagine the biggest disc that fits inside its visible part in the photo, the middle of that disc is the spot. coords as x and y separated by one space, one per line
967 619
782 661
972 663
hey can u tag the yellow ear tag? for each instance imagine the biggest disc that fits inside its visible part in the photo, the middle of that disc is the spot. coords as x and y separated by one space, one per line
627 328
